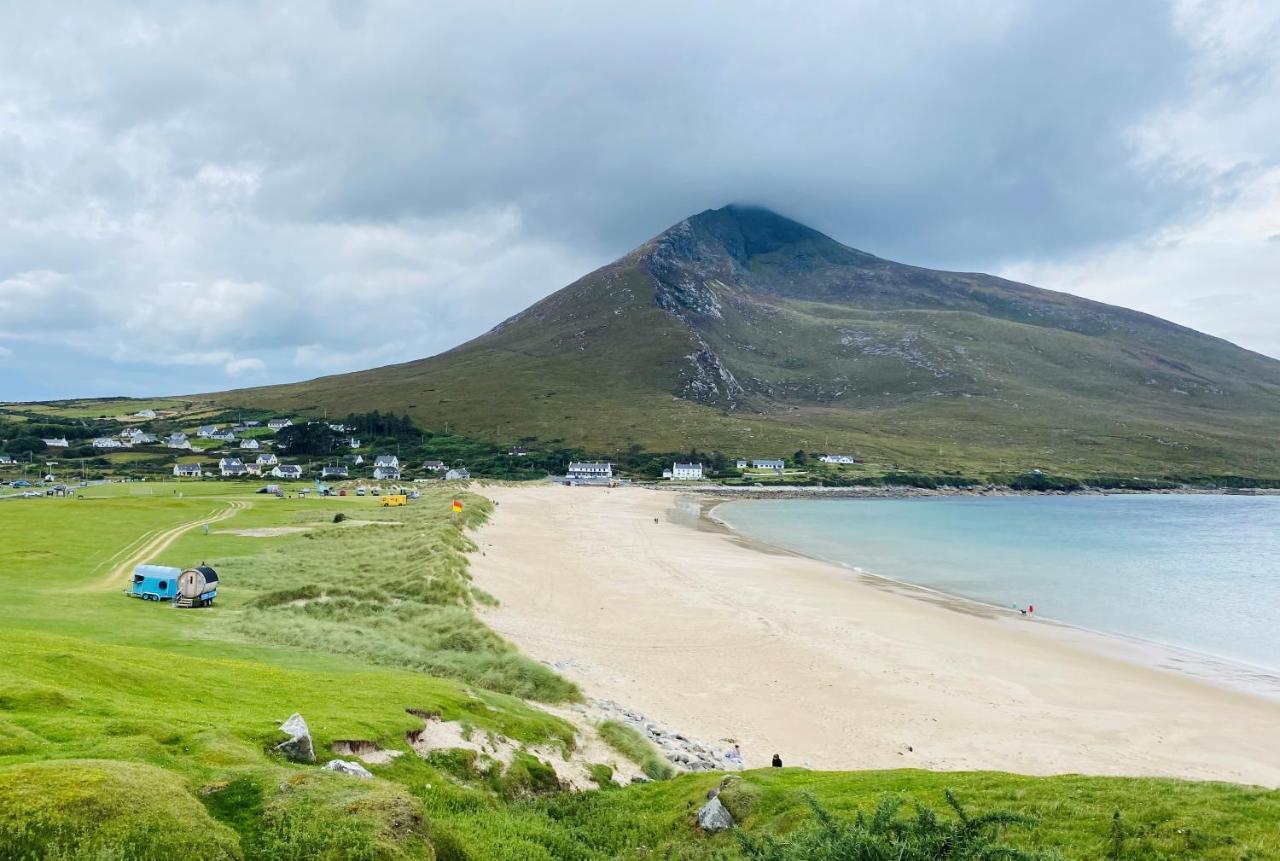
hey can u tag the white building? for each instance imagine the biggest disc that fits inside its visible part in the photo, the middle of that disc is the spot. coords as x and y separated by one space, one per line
5 459
434 465
333 472
768 464
386 460
740 463
232 466
177 440
287 470
206 431
57 442
187 470
686 472
386 473
145 414
278 424
108 442
267 460
458 474
353 442
251 444
837 458
590 469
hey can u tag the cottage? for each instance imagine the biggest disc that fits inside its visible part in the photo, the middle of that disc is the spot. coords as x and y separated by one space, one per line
177 440
279 424
145 414
267 460
251 444
775 465
433 465
108 442
359 459
837 458
518 451
232 466
287 470
252 469
386 473
131 434
251 424
206 431
139 438
57 442
740 463
385 460
224 436
333 472
686 472
458 474
590 470
187 470
5 459
353 442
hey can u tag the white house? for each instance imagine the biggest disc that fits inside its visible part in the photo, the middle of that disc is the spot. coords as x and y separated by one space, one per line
287 470
145 414
187 470
837 458
267 460
385 460
359 459
434 465
590 470
108 442
768 464
686 472
333 472
177 440
458 474
57 442
518 451
206 431
353 442
224 436
131 434
382 473
231 466
740 463
6 459
278 424
250 443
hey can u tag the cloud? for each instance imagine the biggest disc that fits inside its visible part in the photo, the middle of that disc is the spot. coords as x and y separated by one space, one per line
318 190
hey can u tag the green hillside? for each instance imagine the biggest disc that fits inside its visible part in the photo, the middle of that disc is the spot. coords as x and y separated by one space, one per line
743 331
132 731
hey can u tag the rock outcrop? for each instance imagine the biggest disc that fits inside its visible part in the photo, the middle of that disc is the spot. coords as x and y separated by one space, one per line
298 747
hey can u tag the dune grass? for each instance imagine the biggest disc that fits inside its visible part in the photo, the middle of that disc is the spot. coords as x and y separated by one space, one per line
130 731
635 747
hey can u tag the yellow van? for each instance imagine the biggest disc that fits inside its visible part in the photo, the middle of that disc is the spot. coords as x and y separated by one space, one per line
394 499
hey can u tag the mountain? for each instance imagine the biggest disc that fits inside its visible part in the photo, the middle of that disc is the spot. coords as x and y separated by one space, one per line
741 330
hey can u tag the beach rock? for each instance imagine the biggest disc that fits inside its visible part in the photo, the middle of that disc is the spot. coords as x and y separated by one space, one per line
714 816
298 747
354 769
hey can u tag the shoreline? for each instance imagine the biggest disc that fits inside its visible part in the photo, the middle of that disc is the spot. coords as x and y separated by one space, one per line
622 591
1217 670
869 491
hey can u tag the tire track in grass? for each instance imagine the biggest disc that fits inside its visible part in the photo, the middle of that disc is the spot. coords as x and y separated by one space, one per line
159 543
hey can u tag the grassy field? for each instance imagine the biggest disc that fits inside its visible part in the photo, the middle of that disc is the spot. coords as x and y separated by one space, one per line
131 730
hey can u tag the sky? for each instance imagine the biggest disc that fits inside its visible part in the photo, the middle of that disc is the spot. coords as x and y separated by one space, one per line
208 195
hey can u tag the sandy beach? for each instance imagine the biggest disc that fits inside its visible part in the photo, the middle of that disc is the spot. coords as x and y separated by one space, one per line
722 639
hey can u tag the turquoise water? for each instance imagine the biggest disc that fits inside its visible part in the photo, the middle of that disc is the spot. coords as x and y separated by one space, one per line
1198 572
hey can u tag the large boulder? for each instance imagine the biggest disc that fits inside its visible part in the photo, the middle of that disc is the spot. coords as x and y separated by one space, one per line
298 746
714 816
354 769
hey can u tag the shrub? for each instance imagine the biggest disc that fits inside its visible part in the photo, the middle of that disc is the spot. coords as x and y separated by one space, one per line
339 517
885 836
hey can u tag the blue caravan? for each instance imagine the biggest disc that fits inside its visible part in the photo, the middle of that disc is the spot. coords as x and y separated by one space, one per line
155 582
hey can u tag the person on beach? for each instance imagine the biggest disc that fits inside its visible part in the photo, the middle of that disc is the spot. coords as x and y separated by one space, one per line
777 761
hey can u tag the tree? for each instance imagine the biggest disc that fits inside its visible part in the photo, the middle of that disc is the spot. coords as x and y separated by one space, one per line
800 458
26 445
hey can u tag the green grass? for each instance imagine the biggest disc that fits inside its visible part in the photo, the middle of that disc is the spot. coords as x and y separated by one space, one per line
635 747
130 731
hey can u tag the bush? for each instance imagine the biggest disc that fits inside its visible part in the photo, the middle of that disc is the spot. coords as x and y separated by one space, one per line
885 835
339 517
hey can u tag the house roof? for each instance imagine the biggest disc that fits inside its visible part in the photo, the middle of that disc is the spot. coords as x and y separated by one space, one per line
688 466
588 465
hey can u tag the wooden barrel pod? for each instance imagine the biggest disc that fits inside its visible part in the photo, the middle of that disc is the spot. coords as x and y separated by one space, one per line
197 586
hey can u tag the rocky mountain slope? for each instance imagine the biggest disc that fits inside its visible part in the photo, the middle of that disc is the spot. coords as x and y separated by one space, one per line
741 330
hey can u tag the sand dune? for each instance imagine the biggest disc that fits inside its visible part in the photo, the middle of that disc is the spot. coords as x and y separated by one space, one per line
724 639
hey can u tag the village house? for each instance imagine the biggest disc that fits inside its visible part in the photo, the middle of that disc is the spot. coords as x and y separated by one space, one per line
224 436
386 460
250 444
333 472
279 424
740 463
353 442
775 465
837 458
686 472
287 470
177 440
386 473
359 459
231 466
433 465
590 470
131 434
108 442
252 469
518 451
145 414
57 442
5 460
251 424
458 474
206 431
187 470
267 460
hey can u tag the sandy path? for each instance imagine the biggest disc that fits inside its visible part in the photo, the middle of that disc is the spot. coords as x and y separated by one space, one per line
720 639
156 541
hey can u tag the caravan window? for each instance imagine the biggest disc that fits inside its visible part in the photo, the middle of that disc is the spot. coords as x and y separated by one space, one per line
164 584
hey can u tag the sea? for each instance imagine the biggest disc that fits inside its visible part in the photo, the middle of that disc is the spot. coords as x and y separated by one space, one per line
1198 573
